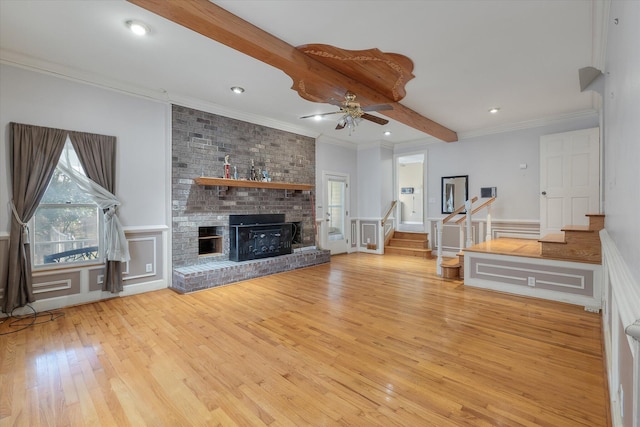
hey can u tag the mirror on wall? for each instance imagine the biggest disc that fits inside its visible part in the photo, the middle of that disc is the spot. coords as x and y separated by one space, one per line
455 191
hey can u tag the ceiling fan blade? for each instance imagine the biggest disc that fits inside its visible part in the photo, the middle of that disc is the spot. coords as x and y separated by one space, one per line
340 126
374 119
323 114
379 107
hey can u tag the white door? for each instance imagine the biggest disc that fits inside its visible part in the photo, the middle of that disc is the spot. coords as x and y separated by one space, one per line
336 191
569 179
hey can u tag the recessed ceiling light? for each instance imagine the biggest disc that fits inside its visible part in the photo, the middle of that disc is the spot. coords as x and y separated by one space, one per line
138 28
494 110
237 89
387 132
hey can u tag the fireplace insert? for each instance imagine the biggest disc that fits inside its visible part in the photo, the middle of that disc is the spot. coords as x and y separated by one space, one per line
258 236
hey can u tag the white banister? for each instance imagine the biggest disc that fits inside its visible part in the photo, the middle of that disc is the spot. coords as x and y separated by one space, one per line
487 237
469 233
468 220
440 224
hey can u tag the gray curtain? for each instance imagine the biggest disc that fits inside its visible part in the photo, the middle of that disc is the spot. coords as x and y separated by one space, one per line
35 154
97 154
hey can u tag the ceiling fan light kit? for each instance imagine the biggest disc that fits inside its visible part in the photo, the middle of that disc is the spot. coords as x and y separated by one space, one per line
353 113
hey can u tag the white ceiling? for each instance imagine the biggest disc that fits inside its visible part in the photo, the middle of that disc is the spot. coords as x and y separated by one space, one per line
469 55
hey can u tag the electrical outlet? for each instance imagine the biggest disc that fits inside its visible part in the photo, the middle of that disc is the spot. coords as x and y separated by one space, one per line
531 281
100 279
149 268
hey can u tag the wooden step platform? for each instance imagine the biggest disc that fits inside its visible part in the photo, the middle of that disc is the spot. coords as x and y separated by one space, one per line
580 243
451 268
562 267
409 244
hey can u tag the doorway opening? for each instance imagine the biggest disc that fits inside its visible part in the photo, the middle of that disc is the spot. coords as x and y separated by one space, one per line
410 193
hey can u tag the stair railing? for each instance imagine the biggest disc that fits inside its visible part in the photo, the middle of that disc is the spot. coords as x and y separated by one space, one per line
467 218
386 226
386 216
440 225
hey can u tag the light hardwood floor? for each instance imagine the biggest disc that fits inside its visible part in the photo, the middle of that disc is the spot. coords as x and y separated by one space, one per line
368 340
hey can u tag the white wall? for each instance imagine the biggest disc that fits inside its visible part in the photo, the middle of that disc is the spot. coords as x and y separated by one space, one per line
622 204
494 161
332 156
369 182
140 126
622 132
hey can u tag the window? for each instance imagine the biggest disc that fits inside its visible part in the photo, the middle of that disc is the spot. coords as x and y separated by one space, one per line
66 227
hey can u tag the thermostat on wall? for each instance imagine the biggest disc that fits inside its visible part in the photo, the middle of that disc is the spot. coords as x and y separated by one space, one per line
406 190
488 192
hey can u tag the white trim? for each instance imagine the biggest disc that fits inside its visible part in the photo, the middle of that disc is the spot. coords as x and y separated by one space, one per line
591 303
63 301
624 290
529 124
144 228
64 285
530 270
155 259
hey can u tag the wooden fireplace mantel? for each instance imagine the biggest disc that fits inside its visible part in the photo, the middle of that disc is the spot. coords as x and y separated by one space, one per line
223 182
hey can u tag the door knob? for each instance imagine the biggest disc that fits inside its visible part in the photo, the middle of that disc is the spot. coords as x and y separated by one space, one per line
544 193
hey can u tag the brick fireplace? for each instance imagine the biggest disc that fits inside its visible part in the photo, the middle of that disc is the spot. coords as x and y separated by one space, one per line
200 213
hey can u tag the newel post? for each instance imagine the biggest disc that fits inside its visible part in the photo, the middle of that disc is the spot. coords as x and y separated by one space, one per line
439 262
467 206
488 235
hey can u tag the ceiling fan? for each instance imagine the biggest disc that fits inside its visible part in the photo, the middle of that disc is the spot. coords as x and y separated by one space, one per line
352 112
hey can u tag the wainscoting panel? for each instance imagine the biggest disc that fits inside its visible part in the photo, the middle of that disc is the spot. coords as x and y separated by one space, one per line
570 282
57 288
96 279
144 259
368 233
53 284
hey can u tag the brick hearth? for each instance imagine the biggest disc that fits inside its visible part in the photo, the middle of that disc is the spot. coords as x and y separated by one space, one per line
204 276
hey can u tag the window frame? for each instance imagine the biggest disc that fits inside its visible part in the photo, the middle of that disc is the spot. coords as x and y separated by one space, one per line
100 259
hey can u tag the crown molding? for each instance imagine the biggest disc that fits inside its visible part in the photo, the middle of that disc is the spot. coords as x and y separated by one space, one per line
160 95
529 124
325 139
56 70
239 115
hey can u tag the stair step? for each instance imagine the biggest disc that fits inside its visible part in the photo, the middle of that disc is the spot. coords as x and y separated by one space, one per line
406 243
577 254
451 268
596 221
553 238
577 228
422 253
409 235
451 263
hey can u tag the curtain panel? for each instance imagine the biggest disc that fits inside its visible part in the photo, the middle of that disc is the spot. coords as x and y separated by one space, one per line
35 154
97 155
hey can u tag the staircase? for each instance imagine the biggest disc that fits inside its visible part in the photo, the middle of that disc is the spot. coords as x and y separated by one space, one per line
409 244
579 243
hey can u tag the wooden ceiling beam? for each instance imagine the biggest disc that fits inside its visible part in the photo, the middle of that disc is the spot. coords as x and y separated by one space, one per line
313 80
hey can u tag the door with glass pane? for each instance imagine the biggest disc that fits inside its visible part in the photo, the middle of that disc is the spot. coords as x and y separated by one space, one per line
336 190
